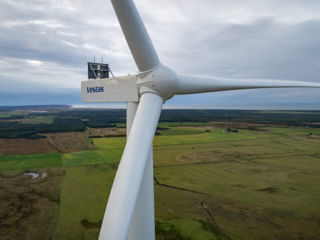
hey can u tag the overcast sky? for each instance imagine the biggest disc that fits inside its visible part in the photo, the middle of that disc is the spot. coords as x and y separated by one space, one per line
45 45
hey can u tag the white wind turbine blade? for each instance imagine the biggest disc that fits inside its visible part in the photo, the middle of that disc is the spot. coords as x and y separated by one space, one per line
136 35
124 193
194 84
142 222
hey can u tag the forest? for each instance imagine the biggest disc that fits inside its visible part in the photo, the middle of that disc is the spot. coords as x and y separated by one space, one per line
30 122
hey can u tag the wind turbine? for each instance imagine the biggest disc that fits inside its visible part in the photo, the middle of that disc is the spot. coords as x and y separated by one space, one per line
130 209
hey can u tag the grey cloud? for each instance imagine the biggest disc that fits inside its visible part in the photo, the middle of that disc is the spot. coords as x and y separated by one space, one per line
29 39
264 49
241 39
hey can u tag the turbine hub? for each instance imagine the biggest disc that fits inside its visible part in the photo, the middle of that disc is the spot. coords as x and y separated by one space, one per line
160 80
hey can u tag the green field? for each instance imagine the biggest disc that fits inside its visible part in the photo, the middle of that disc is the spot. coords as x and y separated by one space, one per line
19 162
36 119
250 184
5 115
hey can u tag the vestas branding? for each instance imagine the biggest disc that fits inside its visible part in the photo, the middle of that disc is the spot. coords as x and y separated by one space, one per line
95 89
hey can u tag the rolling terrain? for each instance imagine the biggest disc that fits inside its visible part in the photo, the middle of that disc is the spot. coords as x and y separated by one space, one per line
213 180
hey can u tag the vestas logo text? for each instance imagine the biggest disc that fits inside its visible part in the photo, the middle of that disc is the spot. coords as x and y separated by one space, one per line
95 89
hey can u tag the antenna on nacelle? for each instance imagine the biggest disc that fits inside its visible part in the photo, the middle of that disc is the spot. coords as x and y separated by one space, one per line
98 70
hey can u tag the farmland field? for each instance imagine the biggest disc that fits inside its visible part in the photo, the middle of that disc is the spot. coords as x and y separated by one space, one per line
260 182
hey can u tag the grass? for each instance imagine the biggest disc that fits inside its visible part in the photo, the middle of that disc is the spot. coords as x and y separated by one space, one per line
5 115
45 160
106 150
184 229
258 173
210 185
83 196
179 131
36 119
215 135
93 157
28 119
183 124
110 149
265 182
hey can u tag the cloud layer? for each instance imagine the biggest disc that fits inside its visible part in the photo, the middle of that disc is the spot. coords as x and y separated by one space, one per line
44 45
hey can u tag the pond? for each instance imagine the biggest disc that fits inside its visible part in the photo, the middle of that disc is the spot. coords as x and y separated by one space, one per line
33 175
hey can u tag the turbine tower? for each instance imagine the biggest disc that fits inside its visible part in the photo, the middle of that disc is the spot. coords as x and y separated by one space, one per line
130 209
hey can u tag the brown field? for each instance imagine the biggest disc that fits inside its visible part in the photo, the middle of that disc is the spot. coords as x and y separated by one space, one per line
107 132
66 142
25 146
63 142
